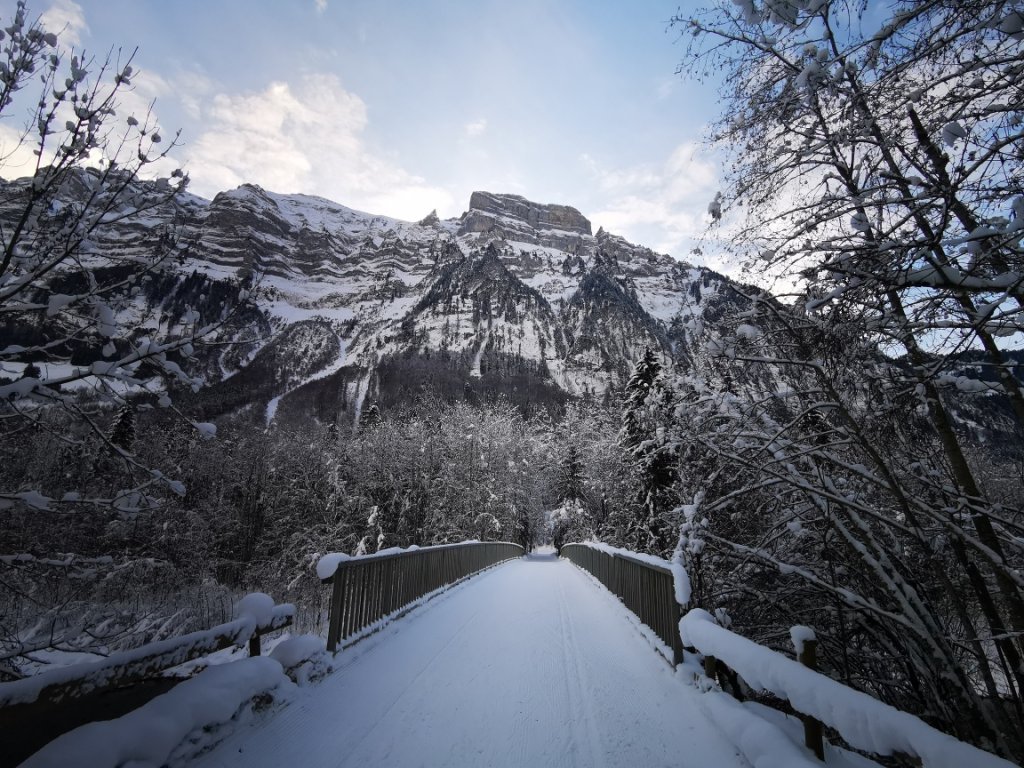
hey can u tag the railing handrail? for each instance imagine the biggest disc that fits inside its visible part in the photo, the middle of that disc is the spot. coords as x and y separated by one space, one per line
646 564
342 559
370 588
874 727
647 561
53 686
652 597
698 630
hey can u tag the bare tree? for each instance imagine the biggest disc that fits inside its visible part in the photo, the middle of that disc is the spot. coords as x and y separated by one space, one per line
76 346
880 175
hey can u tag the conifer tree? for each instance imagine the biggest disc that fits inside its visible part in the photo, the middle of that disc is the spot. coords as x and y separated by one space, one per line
571 475
370 416
646 372
122 432
647 408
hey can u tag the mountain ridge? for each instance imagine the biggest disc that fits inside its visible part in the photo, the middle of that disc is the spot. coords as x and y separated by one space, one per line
510 285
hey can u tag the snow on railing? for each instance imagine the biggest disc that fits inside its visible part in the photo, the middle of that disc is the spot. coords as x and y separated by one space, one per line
256 615
657 592
653 589
864 722
370 588
153 733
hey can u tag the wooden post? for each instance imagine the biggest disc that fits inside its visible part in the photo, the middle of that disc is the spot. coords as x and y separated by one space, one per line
711 667
334 628
254 645
812 728
677 641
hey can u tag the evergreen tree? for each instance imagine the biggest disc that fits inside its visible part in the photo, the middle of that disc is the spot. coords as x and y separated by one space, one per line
525 533
571 475
648 407
122 432
570 521
370 416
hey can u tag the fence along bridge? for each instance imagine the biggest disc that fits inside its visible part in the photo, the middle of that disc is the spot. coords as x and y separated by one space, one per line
529 662
526 664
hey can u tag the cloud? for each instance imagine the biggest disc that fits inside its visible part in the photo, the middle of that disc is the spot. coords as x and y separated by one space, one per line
476 128
305 137
321 6
16 157
664 205
19 144
67 19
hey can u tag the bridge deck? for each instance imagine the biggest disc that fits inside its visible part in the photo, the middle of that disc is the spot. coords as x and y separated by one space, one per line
529 664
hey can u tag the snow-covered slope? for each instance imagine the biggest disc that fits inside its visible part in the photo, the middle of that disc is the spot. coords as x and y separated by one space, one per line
511 291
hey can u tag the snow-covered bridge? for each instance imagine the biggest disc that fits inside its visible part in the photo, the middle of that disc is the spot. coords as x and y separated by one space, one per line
530 663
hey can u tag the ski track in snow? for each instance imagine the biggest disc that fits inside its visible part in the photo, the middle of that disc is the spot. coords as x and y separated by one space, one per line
527 664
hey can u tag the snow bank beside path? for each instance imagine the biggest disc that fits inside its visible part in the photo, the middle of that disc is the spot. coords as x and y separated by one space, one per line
762 743
148 736
864 722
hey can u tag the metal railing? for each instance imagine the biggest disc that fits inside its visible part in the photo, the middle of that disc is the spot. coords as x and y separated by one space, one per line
647 589
366 589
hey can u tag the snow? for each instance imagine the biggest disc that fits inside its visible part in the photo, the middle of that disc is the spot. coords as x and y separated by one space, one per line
475 371
150 734
952 132
864 722
760 742
799 635
525 664
328 564
715 207
256 606
680 578
323 373
298 649
152 656
206 429
304 658
749 332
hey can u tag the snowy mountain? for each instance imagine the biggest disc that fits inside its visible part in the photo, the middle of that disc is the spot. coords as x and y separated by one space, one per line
512 297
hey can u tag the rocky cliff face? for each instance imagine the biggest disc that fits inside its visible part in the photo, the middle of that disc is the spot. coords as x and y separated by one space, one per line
513 297
516 218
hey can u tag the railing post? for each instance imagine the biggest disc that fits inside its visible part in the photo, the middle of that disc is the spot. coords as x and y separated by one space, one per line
711 667
812 728
677 641
337 605
254 644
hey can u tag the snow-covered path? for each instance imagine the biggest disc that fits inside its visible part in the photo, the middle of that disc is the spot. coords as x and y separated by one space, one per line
529 664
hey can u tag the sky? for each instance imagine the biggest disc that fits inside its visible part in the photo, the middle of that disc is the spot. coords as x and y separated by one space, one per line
398 108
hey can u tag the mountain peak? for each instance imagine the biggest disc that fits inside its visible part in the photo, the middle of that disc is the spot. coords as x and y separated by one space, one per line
537 215
430 220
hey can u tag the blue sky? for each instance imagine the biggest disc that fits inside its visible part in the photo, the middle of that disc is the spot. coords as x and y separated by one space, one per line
402 107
